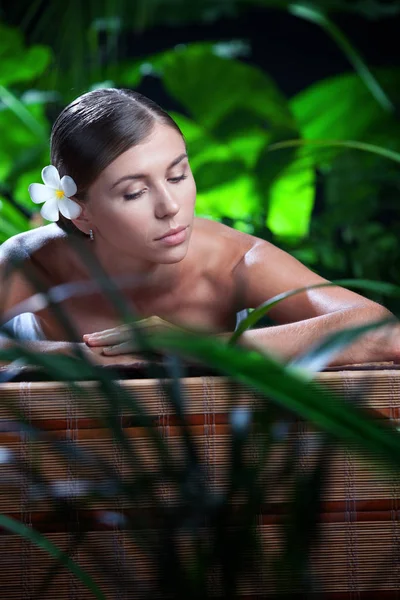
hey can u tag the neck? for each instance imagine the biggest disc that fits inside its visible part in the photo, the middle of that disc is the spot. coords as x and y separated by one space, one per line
134 274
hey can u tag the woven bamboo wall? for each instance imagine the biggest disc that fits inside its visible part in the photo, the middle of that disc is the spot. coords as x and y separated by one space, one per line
360 514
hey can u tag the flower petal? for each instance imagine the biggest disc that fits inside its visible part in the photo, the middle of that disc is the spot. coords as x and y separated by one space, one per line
69 208
40 193
68 186
51 177
49 210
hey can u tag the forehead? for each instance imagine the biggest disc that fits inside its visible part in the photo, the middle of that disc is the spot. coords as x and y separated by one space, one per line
156 151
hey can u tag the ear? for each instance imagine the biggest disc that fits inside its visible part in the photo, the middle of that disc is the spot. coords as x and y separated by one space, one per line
83 222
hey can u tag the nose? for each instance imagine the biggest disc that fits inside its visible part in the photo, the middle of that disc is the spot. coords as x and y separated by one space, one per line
166 205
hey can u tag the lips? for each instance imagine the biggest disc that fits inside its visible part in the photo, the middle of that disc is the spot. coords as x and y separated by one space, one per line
171 232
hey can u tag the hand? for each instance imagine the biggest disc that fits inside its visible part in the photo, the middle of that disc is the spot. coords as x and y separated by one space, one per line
95 355
120 339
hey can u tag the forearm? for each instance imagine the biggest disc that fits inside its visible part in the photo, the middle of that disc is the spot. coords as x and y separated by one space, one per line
48 347
290 340
93 355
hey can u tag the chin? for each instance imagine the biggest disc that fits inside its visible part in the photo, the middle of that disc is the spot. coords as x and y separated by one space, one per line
175 255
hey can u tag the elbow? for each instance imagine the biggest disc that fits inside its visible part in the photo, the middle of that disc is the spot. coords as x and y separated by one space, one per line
372 312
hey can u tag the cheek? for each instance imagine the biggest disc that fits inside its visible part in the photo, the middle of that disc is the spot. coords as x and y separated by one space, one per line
123 212
132 223
124 221
190 193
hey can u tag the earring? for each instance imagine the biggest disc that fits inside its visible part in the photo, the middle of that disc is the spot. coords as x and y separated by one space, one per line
91 235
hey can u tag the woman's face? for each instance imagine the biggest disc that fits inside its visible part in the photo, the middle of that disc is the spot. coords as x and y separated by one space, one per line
142 205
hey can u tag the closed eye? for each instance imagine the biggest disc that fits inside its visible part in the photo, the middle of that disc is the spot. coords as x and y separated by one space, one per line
138 194
177 179
133 196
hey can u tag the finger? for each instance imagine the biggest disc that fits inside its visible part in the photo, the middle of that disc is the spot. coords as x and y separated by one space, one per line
118 335
108 337
124 348
112 335
104 331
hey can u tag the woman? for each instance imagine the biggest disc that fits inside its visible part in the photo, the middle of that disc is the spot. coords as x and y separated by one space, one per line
127 192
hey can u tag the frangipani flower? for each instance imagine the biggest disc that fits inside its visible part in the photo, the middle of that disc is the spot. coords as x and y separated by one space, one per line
56 194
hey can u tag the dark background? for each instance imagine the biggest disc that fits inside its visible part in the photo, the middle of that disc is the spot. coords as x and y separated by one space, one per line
291 50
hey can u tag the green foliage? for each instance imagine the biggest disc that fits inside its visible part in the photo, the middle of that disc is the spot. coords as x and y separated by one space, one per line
18 63
101 27
356 232
257 157
319 17
247 171
24 128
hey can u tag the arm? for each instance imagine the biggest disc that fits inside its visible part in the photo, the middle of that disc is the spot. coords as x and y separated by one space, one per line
15 289
307 317
94 355
40 346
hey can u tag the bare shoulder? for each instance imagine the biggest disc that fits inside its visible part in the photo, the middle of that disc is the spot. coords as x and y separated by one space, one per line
259 269
241 266
33 244
37 250
225 245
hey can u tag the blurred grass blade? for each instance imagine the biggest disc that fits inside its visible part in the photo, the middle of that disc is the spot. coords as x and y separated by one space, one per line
303 519
351 144
54 570
56 365
20 110
388 289
42 542
319 18
118 399
67 368
285 386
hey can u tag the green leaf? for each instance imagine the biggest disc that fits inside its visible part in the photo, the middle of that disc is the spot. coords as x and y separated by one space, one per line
291 201
236 199
5 163
210 175
18 64
42 542
342 144
341 108
240 130
224 178
372 84
22 126
286 185
11 216
126 73
226 79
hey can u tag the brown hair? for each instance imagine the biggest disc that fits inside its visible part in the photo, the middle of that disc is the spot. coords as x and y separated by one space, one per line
95 129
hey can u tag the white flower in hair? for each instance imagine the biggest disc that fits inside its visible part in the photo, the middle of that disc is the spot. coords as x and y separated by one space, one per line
56 194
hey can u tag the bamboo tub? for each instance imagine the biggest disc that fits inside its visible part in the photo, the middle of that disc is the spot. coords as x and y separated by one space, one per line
359 516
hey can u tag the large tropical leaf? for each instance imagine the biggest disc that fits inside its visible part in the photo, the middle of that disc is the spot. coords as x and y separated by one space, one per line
319 17
210 104
341 108
19 64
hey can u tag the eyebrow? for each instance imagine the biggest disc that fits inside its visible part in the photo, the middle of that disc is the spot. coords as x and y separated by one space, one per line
175 162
